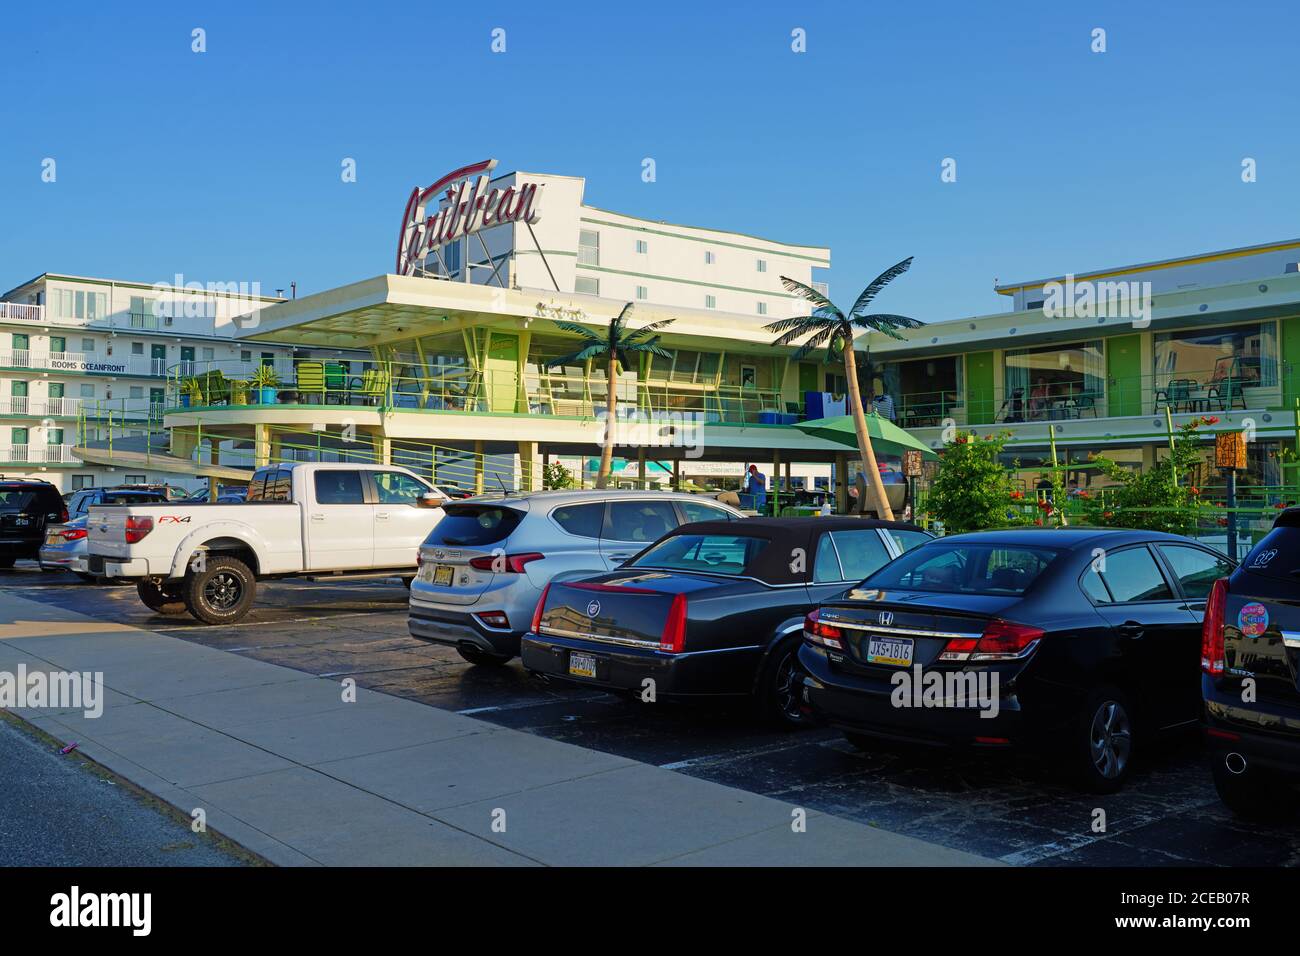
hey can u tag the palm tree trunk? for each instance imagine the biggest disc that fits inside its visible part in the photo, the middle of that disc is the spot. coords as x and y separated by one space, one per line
611 408
864 438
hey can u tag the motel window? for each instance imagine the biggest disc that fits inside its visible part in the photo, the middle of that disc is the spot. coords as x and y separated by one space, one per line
762 265
245 355
136 479
137 348
70 304
924 391
589 247
762 308
87 391
1054 381
208 354
1225 359
642 247
709 257
642 292
586 285
137 391
87 345
58 343
82 481
710 301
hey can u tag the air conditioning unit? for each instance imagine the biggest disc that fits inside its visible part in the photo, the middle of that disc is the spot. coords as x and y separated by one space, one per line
1293 267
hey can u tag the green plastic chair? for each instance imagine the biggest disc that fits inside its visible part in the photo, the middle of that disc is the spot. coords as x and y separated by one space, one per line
336 381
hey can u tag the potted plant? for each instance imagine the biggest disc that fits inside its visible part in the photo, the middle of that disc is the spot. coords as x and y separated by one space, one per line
191 392
263 383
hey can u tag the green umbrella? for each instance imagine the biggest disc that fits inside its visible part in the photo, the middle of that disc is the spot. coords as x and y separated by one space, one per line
886 437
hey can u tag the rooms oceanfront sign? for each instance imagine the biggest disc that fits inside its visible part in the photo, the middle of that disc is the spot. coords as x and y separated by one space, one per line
468 203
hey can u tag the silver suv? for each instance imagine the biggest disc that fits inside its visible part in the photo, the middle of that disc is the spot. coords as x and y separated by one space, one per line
484 565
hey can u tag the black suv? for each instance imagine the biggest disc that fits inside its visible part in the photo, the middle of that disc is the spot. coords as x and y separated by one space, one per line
1250 680
27 505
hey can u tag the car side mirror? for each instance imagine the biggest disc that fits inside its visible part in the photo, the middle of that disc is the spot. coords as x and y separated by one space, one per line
430 499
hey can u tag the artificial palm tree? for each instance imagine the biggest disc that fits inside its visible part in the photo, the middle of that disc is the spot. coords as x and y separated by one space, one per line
828 326
614 346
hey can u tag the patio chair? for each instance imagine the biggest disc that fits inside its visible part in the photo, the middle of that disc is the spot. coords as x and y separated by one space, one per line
1227 393
310 380
1085 402
1177 394
336 382
374 385
1013 408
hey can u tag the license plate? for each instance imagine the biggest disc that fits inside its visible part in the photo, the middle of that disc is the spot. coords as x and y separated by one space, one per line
890 650
53 539
582 665
442 574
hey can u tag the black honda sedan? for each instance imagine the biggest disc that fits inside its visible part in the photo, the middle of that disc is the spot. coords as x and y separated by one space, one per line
1080 639
714 608
1250 663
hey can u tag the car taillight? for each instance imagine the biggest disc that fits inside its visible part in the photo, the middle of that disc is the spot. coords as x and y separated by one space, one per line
494 618
674 636
815 632
137 527
1212 651
1001 641
63 515
505 563
535 627
73 534
419 558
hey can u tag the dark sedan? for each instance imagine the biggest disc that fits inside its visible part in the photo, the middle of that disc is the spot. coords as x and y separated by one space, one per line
1083 640
1250 659
713 608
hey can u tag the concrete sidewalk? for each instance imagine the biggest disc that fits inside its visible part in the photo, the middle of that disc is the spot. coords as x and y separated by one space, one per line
281 764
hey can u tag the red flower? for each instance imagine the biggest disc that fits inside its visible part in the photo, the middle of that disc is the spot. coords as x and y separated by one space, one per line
1084 494
1194 492
1108 514
1039 522
1223 522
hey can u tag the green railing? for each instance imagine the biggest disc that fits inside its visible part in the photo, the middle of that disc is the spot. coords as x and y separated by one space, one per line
391 385
1204 391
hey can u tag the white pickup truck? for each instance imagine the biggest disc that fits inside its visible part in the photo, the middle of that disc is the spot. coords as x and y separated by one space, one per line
337 520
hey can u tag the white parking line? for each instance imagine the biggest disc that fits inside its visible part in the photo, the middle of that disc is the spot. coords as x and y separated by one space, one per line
529 703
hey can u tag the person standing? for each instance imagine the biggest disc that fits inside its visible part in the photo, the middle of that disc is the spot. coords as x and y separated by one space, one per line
756 488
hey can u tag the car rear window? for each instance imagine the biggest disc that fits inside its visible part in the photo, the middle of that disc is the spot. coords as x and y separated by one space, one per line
730 554
130 497
965 568
581 520
1277 555
473 526
16 499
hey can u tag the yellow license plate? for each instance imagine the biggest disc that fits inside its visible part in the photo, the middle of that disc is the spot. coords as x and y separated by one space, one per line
53 539
896 651
582 665
443 573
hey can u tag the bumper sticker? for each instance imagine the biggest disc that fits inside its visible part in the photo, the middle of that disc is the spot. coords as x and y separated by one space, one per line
1253 620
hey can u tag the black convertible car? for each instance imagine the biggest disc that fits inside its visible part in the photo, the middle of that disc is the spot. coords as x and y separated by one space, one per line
714 608
1081 639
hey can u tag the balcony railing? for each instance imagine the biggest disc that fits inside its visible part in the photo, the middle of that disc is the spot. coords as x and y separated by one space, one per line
1202 391
88 363
37 455
21 312
462 389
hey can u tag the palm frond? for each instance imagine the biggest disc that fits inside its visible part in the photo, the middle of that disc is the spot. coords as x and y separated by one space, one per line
878 283
811 326
646 331
886 323
578 357
809 293
582 330
817 341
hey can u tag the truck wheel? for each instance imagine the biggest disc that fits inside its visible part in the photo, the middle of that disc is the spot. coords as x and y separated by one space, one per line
159 600
222 592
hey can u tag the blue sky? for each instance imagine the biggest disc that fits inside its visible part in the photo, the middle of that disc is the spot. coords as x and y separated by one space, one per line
225 166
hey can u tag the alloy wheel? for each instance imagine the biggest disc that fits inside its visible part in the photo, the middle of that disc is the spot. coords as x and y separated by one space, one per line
1110 739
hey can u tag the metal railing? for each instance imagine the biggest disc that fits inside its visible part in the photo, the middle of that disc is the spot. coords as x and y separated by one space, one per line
84 362
392 385
30 454
21 312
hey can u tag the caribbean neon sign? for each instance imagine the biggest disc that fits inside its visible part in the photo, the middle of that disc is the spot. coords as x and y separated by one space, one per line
467 203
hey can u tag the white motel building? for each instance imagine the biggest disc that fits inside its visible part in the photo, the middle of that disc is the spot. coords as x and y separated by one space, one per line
449 363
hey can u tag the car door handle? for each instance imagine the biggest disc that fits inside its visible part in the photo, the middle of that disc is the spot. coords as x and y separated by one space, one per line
1131 630
1195 606
381 516
317 517
622 556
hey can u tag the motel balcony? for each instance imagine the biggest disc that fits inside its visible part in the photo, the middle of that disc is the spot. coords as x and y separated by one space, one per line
37 455
23 406
88 363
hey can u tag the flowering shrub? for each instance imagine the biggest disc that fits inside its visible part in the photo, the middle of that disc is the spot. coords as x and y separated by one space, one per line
972 489
1151 500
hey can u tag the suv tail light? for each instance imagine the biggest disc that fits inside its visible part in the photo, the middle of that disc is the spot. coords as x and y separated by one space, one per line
495 619
674 636
536 626
1001 641
1212 656
137 527
815 632
505 563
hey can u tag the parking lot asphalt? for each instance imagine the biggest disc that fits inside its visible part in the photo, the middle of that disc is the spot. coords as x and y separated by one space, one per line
1003 807
60 810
